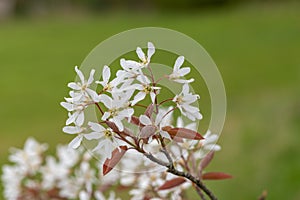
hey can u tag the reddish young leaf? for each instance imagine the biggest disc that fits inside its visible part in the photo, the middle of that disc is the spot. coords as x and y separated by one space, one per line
183 133
135 120
215 176
149 110
206 160
117 154
172 183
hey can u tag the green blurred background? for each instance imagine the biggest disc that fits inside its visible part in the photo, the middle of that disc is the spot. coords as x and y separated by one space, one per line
255 44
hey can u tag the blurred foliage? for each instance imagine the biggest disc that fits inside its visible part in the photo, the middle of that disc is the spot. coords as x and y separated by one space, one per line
38 6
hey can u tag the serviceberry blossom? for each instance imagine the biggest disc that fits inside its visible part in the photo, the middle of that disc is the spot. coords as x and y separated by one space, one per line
178 73
171 155
106 137
117 111
76 110
144 88
28 158
107 85
80 98
79 131
145 58
183 101
82 88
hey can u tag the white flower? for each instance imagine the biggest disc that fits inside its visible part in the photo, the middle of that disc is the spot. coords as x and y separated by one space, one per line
106 136
80 98
144 88
145 58
82 88
109 86
30 158
131 69
117 109
178 73
75 143
77 116
183 101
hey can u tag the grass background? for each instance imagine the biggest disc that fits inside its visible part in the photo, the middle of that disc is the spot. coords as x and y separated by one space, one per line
256 48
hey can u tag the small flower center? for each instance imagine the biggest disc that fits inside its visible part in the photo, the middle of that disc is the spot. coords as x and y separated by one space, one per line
83 87
145 61
179 99
147 89
113 112
108 133
108 87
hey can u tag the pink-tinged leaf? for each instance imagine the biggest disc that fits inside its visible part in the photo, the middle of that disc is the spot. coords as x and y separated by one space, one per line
183 133
172 183
215 176
135 120
149 110
117 154
206 160
147 132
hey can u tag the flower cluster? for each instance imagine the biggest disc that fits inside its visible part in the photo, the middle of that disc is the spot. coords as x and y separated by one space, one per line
69 175
122 127
118 98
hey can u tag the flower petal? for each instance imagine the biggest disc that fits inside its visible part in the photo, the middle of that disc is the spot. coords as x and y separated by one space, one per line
152 95
184 71
80 119
106 100
91 78
106 74
75 143
72 129
151 50
105 116
140 96
179 61
140 54
80 74
118 123
96 127
93 135
73 86
72 118
68 106
145 120
93 94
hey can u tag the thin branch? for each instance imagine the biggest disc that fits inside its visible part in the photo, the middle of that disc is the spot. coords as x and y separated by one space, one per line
194 180
173 170
99 108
